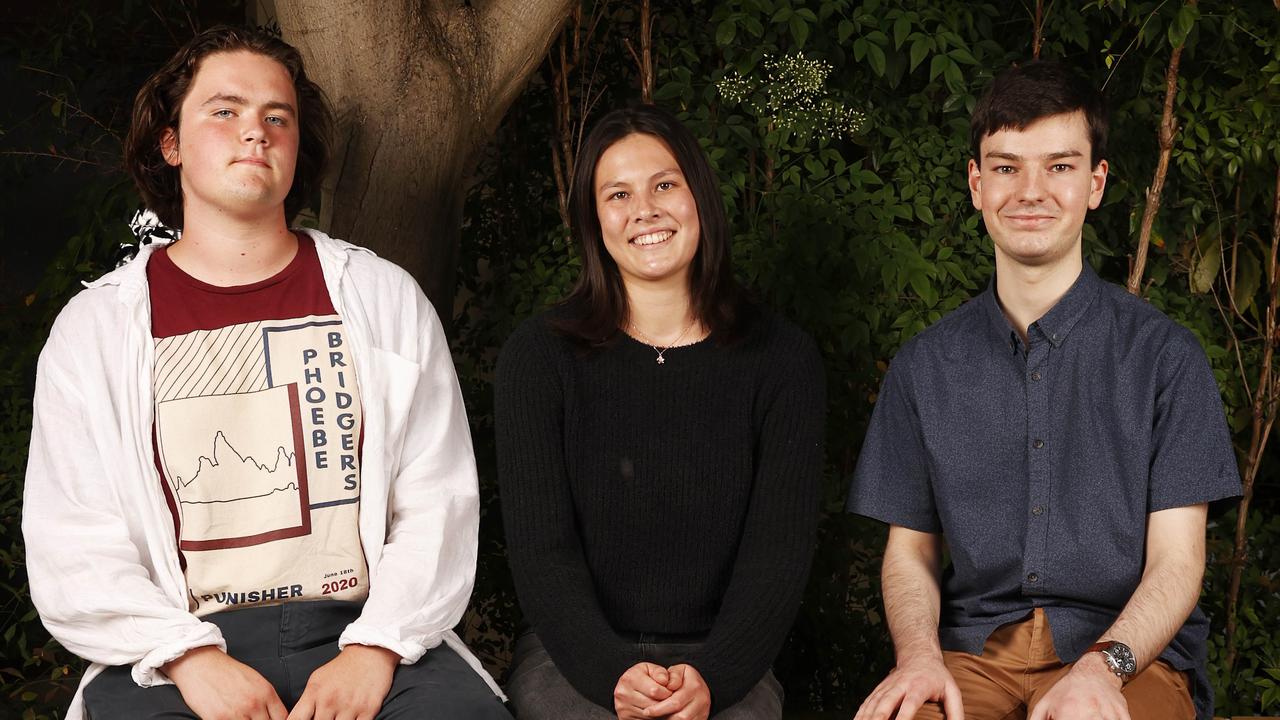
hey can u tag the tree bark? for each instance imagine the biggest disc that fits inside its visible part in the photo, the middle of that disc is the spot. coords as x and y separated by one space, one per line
1168 128
418 87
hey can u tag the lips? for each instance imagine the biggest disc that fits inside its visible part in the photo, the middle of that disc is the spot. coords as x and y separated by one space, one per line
1030 220
260 162
652 238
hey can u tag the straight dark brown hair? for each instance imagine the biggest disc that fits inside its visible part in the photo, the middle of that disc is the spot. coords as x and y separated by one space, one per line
158 102
1034 90
597 306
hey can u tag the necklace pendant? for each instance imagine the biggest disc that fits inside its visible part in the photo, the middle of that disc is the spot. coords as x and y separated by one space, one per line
661 360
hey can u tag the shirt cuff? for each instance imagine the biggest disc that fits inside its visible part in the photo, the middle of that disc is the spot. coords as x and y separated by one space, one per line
146 672
410 652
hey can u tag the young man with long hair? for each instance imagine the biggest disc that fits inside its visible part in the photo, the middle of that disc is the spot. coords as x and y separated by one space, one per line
251 491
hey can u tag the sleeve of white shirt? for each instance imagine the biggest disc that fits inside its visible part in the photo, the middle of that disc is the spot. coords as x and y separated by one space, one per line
89 578
423 581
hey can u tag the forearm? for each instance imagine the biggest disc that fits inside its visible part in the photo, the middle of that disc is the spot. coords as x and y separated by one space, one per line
1169 588
912 593
1161 603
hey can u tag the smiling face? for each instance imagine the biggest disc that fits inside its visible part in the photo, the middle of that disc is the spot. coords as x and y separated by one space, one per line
648 217
237 139
1035 186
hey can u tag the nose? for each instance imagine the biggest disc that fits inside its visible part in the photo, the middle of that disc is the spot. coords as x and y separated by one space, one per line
1031 186
643 207
254 130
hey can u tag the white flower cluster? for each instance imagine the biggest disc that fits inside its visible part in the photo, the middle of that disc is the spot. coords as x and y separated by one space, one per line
733 87
793 95
795 81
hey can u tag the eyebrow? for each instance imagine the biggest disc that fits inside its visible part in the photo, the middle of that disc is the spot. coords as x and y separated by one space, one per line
1014 157
237 100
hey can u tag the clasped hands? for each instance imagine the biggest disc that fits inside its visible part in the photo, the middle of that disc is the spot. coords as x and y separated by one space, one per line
647 690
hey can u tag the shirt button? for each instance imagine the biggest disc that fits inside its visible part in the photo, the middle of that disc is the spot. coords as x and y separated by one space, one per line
1032 577
1037 510
1037 443
1036 376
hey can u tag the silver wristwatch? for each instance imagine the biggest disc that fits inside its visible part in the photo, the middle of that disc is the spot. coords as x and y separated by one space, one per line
1118 656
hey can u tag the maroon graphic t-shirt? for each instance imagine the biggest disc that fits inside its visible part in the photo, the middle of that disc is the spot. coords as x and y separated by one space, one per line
257 435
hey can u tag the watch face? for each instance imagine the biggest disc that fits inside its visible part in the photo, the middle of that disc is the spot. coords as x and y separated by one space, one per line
1122 656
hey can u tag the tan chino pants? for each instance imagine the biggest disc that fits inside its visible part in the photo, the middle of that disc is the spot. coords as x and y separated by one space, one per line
1019 665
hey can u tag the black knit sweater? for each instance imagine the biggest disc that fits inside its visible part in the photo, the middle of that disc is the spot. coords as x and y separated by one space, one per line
677 499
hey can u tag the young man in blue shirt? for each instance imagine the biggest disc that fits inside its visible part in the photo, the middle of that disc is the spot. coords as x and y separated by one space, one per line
1061 439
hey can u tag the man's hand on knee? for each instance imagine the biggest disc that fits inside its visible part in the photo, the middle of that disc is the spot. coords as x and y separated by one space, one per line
908 687
351 686
218 687
1089 691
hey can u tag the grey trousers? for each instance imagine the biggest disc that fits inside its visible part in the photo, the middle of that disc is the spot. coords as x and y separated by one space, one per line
286 643
538 691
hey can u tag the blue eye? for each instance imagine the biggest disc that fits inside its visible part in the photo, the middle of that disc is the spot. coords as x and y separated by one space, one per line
223 113
276 120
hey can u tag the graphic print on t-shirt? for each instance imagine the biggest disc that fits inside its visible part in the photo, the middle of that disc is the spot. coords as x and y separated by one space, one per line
258 432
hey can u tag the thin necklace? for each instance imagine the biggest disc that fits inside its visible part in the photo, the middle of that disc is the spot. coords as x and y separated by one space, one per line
656 348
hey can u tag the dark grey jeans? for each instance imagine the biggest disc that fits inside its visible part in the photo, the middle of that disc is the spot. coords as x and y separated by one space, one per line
286 643
538 691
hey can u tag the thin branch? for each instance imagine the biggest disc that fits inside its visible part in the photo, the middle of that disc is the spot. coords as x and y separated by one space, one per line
54 156
1168 127
75 108
1264 416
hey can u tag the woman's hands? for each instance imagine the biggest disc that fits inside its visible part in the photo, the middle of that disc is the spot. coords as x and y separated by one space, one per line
652 691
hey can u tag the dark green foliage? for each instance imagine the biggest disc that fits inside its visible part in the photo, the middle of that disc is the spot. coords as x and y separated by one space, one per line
839 130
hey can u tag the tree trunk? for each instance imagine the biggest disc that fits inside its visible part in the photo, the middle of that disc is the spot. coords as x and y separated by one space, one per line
417 88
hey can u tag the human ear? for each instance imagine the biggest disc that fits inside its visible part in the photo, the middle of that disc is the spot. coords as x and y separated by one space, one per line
169 147
1097 183
975 184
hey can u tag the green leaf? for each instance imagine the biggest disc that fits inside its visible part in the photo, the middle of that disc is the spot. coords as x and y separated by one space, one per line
844 31
875 56
1205 267
938 65
901 28
726 32
919 48
799 30
961 55
1248 280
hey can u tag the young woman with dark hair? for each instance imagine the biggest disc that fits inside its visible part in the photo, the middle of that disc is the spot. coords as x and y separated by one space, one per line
659 449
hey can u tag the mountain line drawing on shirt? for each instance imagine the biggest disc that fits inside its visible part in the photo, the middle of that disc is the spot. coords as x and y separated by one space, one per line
225 475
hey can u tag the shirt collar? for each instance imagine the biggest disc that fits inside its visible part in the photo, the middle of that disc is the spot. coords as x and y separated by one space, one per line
1056 324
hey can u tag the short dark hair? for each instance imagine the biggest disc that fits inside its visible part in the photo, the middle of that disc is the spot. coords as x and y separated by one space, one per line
598 302
158 102
1025 93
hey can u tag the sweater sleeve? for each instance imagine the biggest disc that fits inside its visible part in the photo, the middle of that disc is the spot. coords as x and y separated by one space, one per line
554 585
778 535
